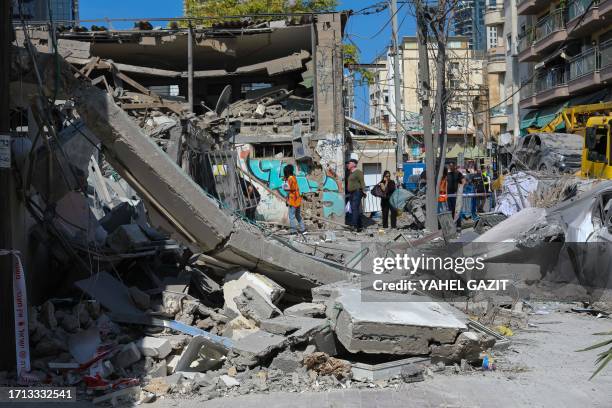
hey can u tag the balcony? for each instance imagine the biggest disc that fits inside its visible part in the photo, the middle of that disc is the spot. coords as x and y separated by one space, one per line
605 61
550 32
526 7
496 63
527 96
494 16
584 71
499 115
551 84
579 26
526 52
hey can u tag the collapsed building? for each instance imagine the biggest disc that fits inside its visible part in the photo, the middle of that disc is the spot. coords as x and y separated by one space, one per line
265 93
134 198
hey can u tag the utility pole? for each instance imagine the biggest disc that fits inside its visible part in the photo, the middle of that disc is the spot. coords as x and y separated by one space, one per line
7 328
190 66
431 218
438 28
398 93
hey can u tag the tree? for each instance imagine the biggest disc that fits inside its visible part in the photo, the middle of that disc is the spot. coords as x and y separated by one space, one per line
219 8
351 57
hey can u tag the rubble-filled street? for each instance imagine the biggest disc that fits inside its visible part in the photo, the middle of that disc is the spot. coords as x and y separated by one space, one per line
202 211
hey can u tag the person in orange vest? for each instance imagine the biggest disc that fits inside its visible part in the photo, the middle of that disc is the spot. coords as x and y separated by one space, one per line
442 205
294 200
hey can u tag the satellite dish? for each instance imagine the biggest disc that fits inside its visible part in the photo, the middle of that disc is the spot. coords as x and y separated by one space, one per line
224 100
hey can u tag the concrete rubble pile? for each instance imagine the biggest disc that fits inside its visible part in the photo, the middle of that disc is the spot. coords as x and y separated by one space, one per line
246 336
172 293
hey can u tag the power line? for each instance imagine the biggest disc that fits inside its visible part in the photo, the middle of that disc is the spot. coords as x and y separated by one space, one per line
381 29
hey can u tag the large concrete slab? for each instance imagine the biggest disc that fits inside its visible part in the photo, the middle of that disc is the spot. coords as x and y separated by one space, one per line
391 327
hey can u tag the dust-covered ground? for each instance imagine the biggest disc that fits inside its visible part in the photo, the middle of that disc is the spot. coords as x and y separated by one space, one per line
541 368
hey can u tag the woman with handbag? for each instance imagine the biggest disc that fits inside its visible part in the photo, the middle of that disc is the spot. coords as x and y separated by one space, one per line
384 189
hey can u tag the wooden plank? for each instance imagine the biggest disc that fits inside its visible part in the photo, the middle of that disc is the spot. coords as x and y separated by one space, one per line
136 85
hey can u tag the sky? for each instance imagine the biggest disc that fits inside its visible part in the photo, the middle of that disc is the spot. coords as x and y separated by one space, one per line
371 33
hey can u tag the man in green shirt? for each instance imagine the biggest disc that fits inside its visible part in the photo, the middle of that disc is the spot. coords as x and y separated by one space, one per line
354 188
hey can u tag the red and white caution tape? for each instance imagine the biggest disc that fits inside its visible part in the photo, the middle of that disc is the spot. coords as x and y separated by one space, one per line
20 308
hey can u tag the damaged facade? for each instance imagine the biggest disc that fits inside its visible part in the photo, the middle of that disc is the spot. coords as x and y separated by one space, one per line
133 156
134 199
265 94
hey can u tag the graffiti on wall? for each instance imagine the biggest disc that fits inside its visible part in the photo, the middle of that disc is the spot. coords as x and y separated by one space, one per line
270 172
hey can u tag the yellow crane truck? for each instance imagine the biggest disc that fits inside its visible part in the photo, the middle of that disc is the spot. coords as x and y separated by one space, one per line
593 122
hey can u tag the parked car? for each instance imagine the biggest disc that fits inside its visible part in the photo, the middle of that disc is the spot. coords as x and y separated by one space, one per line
553 152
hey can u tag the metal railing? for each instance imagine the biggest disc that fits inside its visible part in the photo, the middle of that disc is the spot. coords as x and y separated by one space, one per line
605 54
526 40
499 111
551 78
553 22
578 7
584 63
526 91
371 203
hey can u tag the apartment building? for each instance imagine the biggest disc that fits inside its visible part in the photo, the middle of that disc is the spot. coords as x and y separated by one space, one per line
468 22
502 69
381 95
565 55
44 10
464 84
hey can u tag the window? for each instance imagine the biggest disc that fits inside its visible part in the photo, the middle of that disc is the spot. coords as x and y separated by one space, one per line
509 44
454 84
492 37
271 150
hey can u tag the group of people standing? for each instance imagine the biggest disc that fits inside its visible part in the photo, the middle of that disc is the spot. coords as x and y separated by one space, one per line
455 184
356 188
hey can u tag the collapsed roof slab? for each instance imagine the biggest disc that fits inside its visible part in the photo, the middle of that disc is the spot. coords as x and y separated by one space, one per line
184 207
169 52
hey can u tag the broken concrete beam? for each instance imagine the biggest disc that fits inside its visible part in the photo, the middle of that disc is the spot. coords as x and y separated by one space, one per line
391 327
283 265
294 328
250 350
469 346
254 306
154 347
306 309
